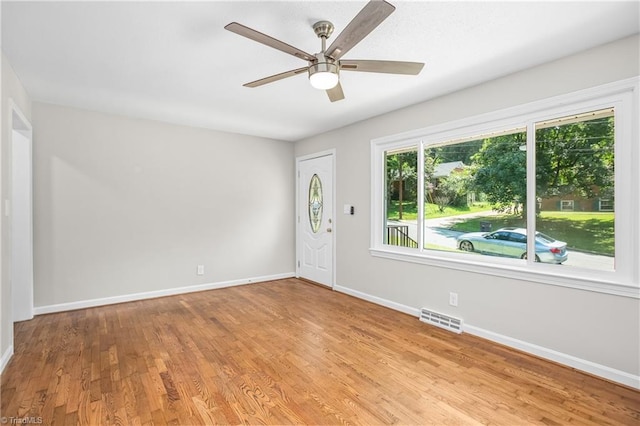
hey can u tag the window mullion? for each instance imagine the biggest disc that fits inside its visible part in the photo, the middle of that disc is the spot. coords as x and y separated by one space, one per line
420 218
532 200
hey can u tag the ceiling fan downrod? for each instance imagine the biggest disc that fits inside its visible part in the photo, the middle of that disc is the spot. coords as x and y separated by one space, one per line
323 30
323 72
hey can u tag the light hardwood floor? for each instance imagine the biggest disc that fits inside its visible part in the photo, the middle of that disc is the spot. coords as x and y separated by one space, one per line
285 352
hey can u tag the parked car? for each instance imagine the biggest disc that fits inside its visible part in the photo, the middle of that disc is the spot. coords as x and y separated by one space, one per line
512 242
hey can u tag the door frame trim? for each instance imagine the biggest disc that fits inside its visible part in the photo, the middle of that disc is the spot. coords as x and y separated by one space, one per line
300 159
18 121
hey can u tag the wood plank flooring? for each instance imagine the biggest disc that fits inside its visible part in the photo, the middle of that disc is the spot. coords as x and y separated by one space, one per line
285 352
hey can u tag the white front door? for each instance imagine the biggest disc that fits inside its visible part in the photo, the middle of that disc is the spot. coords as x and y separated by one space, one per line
315 219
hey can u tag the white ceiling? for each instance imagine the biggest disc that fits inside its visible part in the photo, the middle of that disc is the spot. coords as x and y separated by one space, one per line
174 62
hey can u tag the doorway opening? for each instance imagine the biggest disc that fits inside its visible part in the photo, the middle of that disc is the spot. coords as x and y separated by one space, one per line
19 209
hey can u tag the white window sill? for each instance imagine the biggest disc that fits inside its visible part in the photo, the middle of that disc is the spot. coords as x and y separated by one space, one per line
514 268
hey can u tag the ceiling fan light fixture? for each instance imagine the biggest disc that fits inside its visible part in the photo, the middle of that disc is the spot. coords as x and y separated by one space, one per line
323 75
323 80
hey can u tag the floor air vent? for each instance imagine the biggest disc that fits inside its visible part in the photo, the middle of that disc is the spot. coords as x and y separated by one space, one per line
441 320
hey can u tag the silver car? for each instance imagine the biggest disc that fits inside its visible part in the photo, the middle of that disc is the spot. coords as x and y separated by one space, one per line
512 242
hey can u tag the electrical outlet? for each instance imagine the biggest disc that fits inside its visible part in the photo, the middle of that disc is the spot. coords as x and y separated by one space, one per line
453 299
200 270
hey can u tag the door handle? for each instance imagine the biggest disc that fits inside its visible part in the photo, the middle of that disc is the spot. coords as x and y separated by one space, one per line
328 229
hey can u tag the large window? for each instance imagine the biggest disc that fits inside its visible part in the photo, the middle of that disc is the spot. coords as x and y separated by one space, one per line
575 162
542 191
469 185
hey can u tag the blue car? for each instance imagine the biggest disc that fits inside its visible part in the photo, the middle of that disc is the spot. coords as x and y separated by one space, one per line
512 242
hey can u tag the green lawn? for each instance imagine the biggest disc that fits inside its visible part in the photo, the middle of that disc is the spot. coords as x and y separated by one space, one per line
409 210
589 232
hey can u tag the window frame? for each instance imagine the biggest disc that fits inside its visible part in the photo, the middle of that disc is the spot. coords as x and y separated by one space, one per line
608 200
571 202
623 97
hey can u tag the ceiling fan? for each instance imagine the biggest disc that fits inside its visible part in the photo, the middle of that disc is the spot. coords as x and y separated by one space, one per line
324 67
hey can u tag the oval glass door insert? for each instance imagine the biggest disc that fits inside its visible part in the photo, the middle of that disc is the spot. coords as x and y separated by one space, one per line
315 203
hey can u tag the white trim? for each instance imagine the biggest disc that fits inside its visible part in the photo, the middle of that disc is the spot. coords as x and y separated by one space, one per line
13 106
6 357
600 200
586 366
623 96
379 301
511 268
24 127
573 205
559 357
329 152
70 306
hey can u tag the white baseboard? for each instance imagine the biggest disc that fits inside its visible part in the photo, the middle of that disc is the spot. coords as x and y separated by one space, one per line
559 357
6 357
542 352
379 301
70 306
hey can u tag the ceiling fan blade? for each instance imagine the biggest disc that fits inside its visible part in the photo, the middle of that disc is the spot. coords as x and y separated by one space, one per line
336 94
365 21
276 77
254 35
389 67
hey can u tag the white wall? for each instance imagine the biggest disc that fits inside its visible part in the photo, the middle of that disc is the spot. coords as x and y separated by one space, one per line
11 89
590 327
125 206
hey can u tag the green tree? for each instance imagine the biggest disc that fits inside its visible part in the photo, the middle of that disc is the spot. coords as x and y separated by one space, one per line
576 157
402 178
453 189
500 170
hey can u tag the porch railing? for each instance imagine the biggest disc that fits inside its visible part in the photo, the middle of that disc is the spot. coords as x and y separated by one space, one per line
398 235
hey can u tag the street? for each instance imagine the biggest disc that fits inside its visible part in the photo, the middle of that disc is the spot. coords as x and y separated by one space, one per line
436 233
